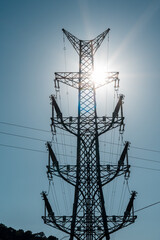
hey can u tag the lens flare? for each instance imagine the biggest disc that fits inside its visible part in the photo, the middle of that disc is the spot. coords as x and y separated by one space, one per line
98 75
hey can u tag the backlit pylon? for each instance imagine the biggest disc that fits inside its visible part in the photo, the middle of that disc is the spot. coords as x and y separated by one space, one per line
89 219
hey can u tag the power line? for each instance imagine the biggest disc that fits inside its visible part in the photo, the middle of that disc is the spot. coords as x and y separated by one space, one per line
22 126
22 136
153 169
48 131
69 145
32 138
22 148
140 148
145 159
64 155
146 149
31 149
147 206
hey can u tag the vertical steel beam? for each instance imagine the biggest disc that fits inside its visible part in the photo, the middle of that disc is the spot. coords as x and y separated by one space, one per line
88 208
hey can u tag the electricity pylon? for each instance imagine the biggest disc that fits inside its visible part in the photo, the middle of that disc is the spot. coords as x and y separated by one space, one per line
89 219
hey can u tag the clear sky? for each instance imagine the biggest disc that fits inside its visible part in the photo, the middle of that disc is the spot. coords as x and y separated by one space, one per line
32 49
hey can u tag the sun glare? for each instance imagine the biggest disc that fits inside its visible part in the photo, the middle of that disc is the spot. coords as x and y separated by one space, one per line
99 75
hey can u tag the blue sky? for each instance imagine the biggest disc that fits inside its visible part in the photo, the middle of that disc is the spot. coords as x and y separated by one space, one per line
32 49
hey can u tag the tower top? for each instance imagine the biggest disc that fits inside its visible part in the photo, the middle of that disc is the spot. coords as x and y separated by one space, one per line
103 33
94 43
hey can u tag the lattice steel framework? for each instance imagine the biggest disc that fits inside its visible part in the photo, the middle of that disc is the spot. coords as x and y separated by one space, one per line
89 219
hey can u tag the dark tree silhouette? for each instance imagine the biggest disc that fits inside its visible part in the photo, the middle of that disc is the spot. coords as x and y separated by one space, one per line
12 234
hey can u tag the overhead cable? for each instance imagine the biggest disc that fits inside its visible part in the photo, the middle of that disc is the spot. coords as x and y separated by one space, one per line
138 210
48 131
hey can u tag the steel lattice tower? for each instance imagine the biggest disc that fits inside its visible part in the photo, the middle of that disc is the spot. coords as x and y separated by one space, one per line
89 219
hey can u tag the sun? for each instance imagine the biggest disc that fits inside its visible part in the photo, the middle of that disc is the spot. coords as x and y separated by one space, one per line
99 75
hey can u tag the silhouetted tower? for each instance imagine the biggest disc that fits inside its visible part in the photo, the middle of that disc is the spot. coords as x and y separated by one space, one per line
89 219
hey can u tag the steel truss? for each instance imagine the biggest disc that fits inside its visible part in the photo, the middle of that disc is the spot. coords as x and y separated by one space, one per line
89 219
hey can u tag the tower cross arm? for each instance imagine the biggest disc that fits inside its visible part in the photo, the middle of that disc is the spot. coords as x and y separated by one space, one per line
127 213
73 40
117 108
112 171
48 206
57 222
55 164
72 79
96 42
59 117
105 123
99 39
119 222
109 78
68 78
